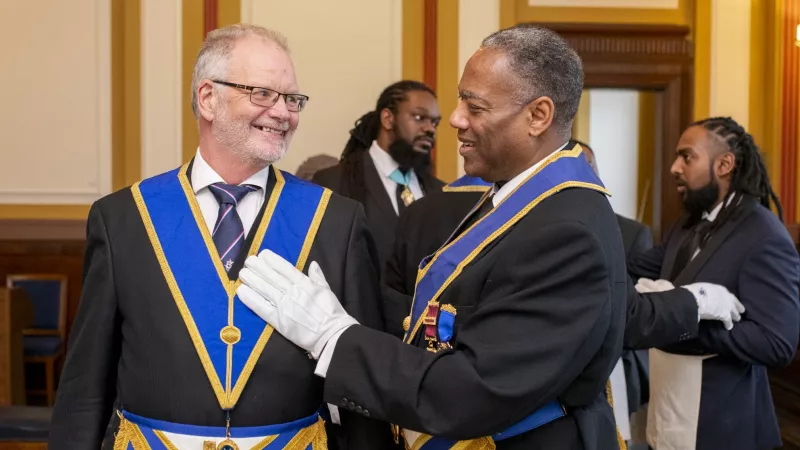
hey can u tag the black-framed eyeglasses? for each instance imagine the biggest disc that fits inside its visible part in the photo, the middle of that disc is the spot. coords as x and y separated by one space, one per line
267 97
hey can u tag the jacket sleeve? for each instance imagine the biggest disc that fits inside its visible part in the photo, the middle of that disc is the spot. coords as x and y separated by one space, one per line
395 284
768 289
361 299
659 319
537 328
87 388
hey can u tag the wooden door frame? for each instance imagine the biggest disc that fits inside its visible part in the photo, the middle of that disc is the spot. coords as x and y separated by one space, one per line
642 57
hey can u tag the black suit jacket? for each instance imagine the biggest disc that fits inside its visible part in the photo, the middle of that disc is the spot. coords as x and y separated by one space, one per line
637 238
381 216
540 316
421 230
753 256
130 343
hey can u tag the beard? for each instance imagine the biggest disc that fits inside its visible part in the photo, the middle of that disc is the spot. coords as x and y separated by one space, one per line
237 134
407 158
698 201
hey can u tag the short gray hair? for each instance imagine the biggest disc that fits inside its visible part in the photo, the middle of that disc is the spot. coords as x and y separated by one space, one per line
212 60
545 66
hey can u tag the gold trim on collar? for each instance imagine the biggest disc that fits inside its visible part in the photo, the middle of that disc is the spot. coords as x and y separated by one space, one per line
466 188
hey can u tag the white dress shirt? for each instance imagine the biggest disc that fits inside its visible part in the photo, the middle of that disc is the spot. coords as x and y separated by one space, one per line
203 176
385 165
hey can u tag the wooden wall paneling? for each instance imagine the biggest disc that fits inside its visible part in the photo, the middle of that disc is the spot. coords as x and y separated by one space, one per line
15 312
47 256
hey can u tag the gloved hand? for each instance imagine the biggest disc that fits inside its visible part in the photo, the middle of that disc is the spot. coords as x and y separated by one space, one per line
715 302
301 308
645 285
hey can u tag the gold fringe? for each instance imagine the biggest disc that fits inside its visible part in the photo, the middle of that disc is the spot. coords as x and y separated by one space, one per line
484 443
123 435
321 438
622 445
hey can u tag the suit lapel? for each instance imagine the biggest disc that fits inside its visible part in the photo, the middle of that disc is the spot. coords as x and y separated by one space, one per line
717 239
375 187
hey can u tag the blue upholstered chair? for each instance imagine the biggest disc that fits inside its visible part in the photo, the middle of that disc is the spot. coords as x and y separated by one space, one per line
43 341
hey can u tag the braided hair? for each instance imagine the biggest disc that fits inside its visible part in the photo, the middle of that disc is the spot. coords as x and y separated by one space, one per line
366 130
749 172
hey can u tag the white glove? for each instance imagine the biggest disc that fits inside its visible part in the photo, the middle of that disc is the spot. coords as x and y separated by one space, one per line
646 285
715 302
301 308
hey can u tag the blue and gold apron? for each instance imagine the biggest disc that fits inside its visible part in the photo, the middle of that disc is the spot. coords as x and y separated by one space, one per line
562 170
228 337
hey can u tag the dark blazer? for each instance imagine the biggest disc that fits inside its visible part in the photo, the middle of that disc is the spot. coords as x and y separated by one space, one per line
381 216
636 238
540 316
421 230
130 343
753 256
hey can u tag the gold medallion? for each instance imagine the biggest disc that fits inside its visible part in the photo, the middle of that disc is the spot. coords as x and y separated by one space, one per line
227 444
407 196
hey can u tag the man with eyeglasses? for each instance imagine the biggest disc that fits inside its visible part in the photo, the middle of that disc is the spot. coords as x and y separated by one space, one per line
161 344
386 162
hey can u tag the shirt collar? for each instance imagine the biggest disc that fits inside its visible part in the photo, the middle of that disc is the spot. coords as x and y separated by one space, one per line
203 175
712 216
383 161
501 193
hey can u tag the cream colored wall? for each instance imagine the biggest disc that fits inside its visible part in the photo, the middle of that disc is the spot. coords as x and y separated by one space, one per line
161 92
477 19
345 53
730 60
55 112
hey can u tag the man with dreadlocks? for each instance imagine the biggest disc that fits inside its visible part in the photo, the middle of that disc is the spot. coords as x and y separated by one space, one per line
710 390
386 163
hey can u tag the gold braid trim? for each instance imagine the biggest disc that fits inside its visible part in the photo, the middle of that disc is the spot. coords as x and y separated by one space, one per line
264 443
622 445
164 440
309 435
484 443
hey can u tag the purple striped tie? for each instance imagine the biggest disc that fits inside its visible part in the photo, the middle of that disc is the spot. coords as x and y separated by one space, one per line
228 232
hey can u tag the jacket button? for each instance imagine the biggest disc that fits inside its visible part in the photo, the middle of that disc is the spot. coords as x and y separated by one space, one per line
359 409
351 405
366 413
344 402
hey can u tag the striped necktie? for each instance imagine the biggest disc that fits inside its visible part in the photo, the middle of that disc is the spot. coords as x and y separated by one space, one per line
228 233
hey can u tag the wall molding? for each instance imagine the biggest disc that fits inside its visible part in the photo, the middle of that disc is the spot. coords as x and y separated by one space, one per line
101 183
790 107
